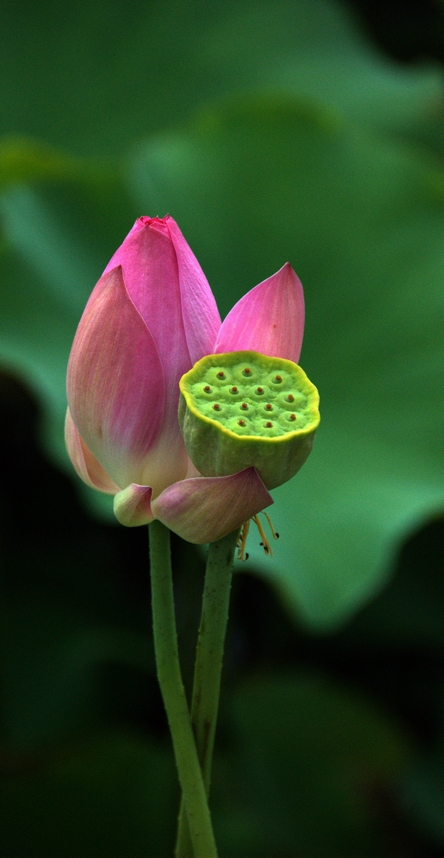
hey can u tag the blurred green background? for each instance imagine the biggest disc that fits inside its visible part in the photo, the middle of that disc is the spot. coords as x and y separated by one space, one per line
309 131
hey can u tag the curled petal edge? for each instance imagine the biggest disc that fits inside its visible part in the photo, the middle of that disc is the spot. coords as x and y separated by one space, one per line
204 509
132 506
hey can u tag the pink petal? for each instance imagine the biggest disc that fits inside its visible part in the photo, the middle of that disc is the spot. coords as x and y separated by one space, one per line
150 272
132 506
269 319
205 509
171 293
115 384
200 315
87 467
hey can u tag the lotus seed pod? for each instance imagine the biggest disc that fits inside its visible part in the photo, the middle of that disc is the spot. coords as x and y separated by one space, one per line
244 409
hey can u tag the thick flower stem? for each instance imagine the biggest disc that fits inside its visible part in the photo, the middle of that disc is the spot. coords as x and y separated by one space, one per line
170 680
207 674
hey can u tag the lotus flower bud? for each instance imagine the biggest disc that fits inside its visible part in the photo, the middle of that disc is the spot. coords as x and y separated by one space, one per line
150 317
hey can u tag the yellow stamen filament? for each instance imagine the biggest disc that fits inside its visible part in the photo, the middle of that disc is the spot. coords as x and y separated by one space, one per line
270 525
244 531
265 542
242 541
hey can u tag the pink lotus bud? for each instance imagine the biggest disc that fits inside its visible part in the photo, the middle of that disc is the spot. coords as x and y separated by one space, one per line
149 320
150 317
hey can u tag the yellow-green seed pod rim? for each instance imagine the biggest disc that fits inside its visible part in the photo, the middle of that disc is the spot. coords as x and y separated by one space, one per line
216 450
232 358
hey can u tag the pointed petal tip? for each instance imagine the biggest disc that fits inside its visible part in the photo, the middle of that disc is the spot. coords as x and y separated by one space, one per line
269 319
145 221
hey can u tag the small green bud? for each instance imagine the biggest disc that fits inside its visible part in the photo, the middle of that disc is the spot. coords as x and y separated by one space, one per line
244 409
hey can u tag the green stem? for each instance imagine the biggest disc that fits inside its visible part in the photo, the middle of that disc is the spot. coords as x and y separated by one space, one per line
170 681
207 674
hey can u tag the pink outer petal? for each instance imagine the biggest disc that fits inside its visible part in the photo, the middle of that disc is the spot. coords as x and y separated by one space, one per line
269 319
87 467
200 315
116 387
132 506
205 509
171 293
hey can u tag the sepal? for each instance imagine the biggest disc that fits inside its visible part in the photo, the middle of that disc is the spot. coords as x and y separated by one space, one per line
205 509
132 506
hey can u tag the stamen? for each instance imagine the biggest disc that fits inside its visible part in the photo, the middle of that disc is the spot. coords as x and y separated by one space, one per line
266 544
243 534
270 525
242 541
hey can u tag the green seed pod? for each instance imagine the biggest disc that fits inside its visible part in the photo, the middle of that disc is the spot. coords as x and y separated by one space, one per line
244 409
